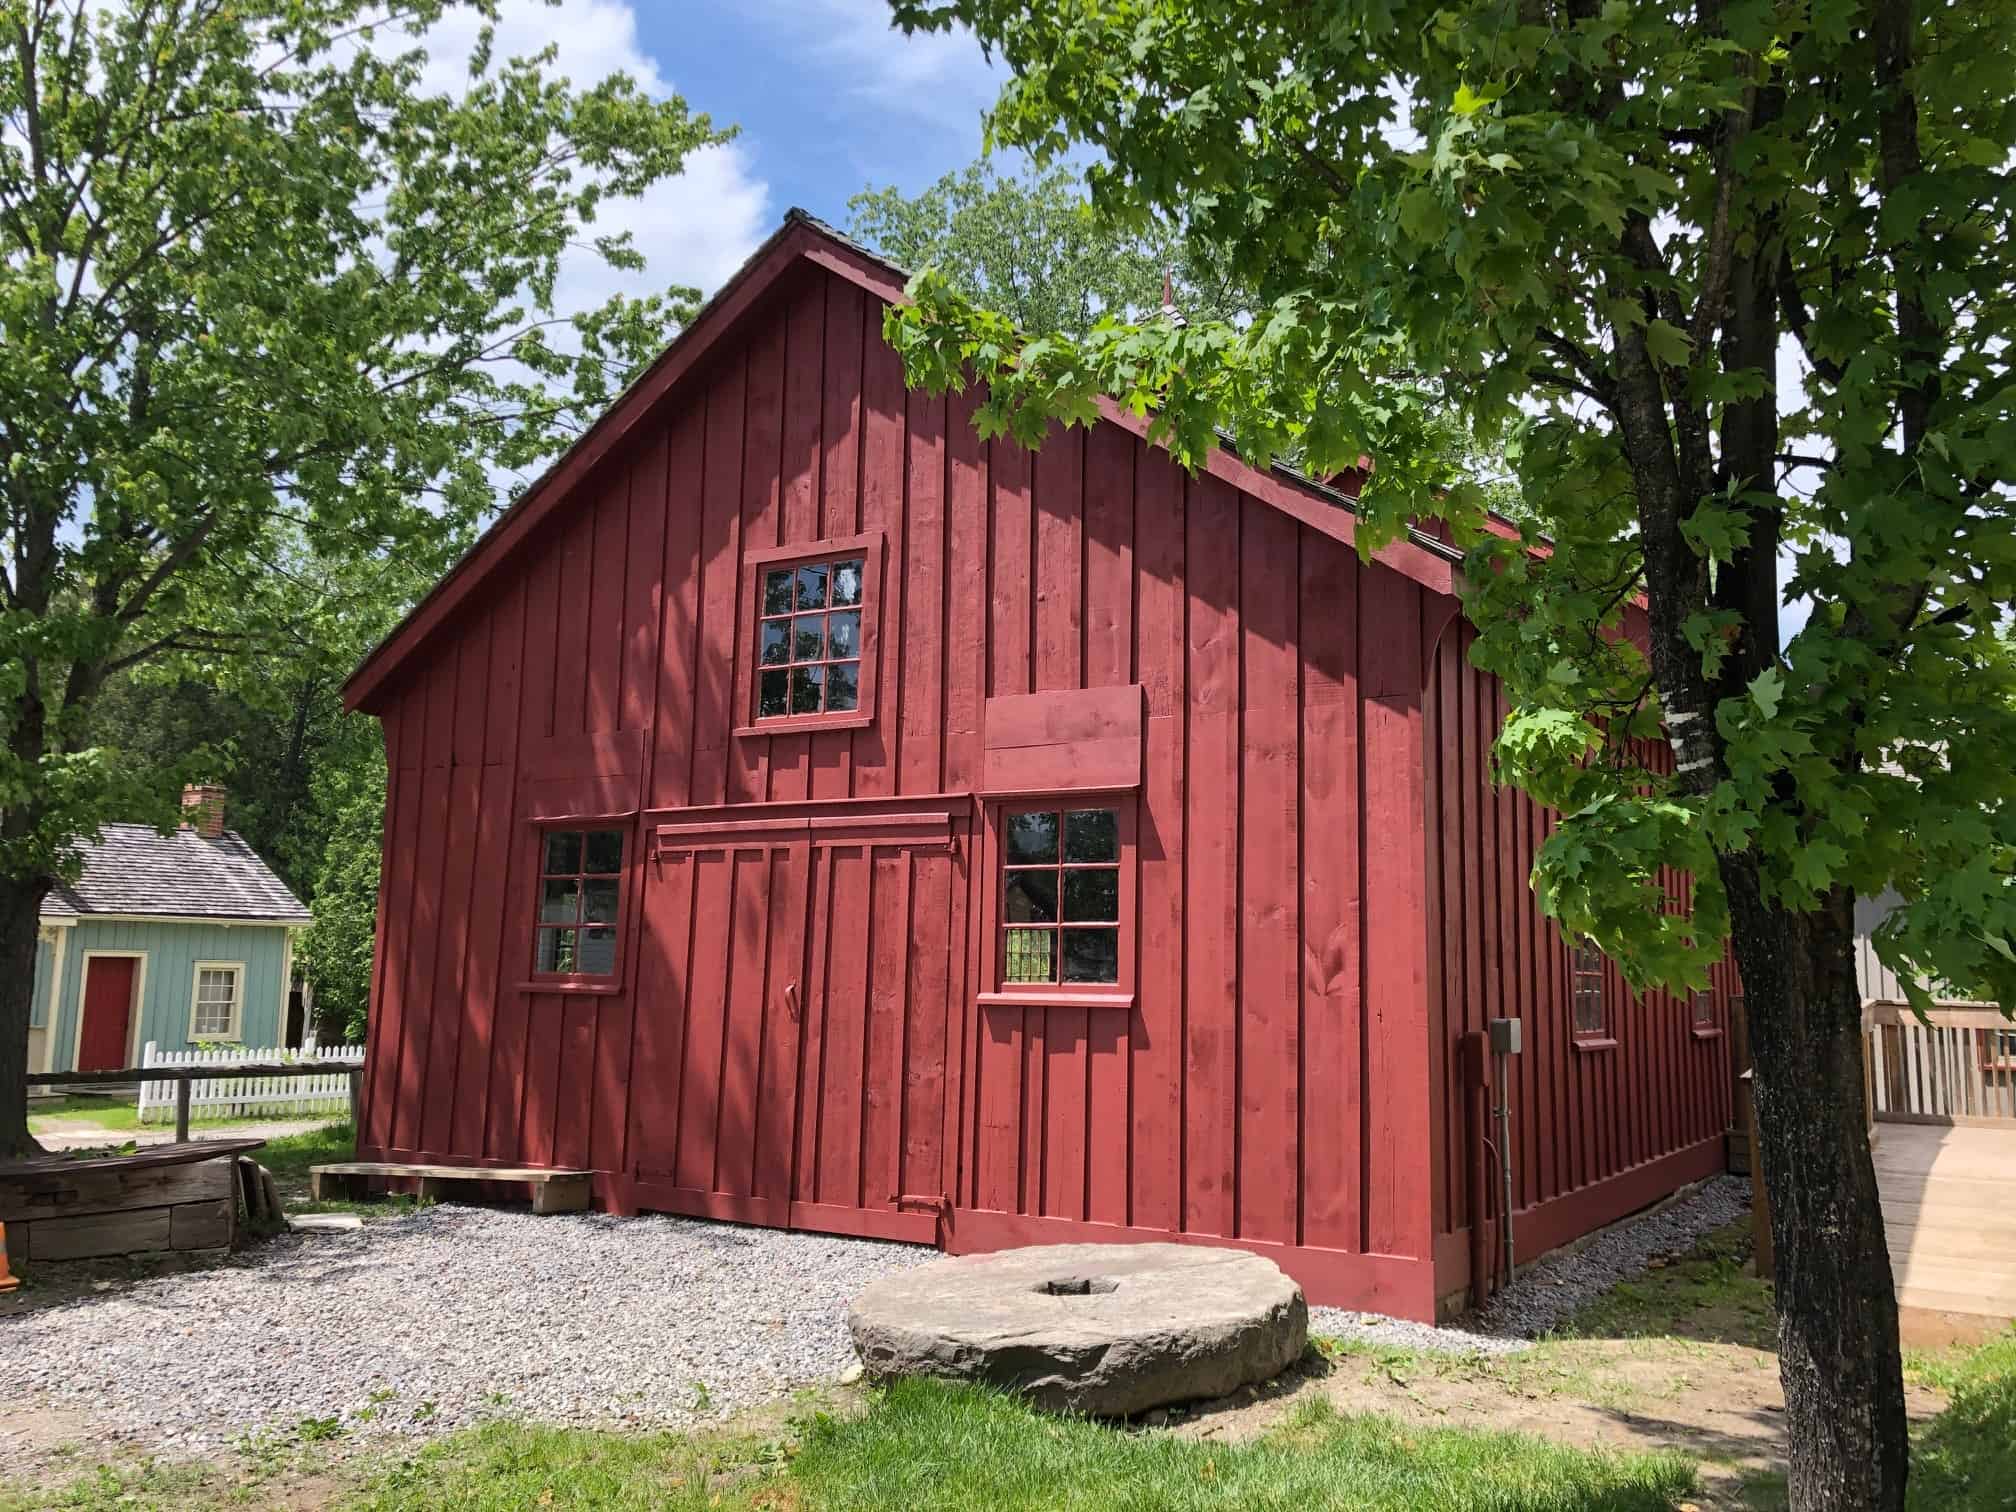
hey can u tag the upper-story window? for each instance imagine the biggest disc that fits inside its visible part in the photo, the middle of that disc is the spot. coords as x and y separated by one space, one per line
1591 1005
580 884
809 642
814 640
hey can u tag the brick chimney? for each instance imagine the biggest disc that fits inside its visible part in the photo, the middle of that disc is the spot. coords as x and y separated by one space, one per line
203 809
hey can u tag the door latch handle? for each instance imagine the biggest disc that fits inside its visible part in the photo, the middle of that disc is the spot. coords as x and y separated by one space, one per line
791 999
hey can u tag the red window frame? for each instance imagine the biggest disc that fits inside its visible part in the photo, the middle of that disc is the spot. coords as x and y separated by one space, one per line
757 566
541 926
1589 981
996 989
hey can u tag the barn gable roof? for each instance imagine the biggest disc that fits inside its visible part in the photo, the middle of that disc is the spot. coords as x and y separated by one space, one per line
804 239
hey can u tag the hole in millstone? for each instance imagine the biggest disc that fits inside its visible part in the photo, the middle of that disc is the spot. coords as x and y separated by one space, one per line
1078 1286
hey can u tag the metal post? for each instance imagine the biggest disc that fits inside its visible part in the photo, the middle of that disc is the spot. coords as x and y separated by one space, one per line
182 1110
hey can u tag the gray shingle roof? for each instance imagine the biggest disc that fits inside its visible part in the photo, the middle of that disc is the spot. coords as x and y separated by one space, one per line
135 869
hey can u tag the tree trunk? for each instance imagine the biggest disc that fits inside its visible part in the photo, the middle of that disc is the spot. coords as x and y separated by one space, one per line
1837 1303
20 925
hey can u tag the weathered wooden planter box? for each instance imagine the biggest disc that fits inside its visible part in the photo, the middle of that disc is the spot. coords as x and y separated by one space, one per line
170 1197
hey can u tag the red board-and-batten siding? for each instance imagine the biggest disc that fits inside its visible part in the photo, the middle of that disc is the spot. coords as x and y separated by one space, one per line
1276 1079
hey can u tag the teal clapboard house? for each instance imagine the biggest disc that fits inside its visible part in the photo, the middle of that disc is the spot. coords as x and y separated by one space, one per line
184 939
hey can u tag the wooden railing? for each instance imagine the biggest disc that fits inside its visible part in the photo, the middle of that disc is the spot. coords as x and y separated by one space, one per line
1958 1067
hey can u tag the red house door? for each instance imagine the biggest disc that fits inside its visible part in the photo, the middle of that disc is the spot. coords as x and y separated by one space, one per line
108 1011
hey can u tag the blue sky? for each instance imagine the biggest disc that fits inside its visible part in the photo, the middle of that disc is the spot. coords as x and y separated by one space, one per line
828 99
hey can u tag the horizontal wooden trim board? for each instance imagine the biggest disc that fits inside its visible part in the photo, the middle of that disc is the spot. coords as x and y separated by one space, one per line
1064 741
1025 998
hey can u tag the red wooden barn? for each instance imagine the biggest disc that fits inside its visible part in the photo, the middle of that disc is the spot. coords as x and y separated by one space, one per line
804 813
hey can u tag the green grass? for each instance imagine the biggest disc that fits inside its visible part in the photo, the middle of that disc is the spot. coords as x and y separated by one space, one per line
290 1156
923 1446
1709 1295
122 1116
1964 1460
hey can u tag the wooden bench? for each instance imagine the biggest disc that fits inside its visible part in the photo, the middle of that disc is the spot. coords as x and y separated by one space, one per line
553 1191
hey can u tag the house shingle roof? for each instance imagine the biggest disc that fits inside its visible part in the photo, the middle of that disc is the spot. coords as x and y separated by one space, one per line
135 869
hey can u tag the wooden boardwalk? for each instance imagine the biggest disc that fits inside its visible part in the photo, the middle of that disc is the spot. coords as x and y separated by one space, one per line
1949 1206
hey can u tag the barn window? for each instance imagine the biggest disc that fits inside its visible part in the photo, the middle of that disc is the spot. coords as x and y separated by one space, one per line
215 997
580 882
1591 1006
1060 890
1703 1010
808 638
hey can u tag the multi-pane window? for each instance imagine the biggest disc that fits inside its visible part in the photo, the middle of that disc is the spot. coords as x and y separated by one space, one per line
580 880
1591 1012
1704 1009
808 641
214 1012
1060 915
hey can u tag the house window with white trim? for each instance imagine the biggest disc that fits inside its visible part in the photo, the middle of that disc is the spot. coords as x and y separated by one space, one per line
215 1000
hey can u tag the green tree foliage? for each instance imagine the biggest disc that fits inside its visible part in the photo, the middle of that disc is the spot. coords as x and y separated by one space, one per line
1738 279
270 313
1033 249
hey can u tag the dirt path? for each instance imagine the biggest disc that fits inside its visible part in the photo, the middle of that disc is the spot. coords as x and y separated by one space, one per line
76 1134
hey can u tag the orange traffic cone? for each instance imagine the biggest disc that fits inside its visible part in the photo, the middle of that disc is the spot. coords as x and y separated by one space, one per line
8 1280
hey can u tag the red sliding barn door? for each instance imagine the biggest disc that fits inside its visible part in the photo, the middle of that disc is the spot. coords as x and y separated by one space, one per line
795 996
878 1123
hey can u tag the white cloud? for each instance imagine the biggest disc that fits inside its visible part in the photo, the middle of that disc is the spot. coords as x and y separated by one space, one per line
694 229
941 79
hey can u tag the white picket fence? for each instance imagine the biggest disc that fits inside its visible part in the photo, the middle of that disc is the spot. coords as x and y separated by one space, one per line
226 1096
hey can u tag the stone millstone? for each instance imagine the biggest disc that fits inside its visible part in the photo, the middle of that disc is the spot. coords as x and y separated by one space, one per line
1105 1329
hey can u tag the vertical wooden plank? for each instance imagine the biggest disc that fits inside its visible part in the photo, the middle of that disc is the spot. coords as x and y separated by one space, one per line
923 1063
762 445
747 1003
1397 1219
776 1081
845 1025
396 905
439 1081
609 601
432 842
570 623
865 762
720 506
643 585
883 1060
811 1118
1455 803
1211 830
1330 924
804 382
924 714
709 982
1155 1027
486 986
830 753
1107 615
1443 1099
504 1122
999 1054
544 1046
1270 838
672 745
664 967
1010 588
967 654
579 1016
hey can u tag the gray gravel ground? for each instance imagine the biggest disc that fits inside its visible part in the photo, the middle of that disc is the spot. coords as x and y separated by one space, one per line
1545 1297
451 1314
